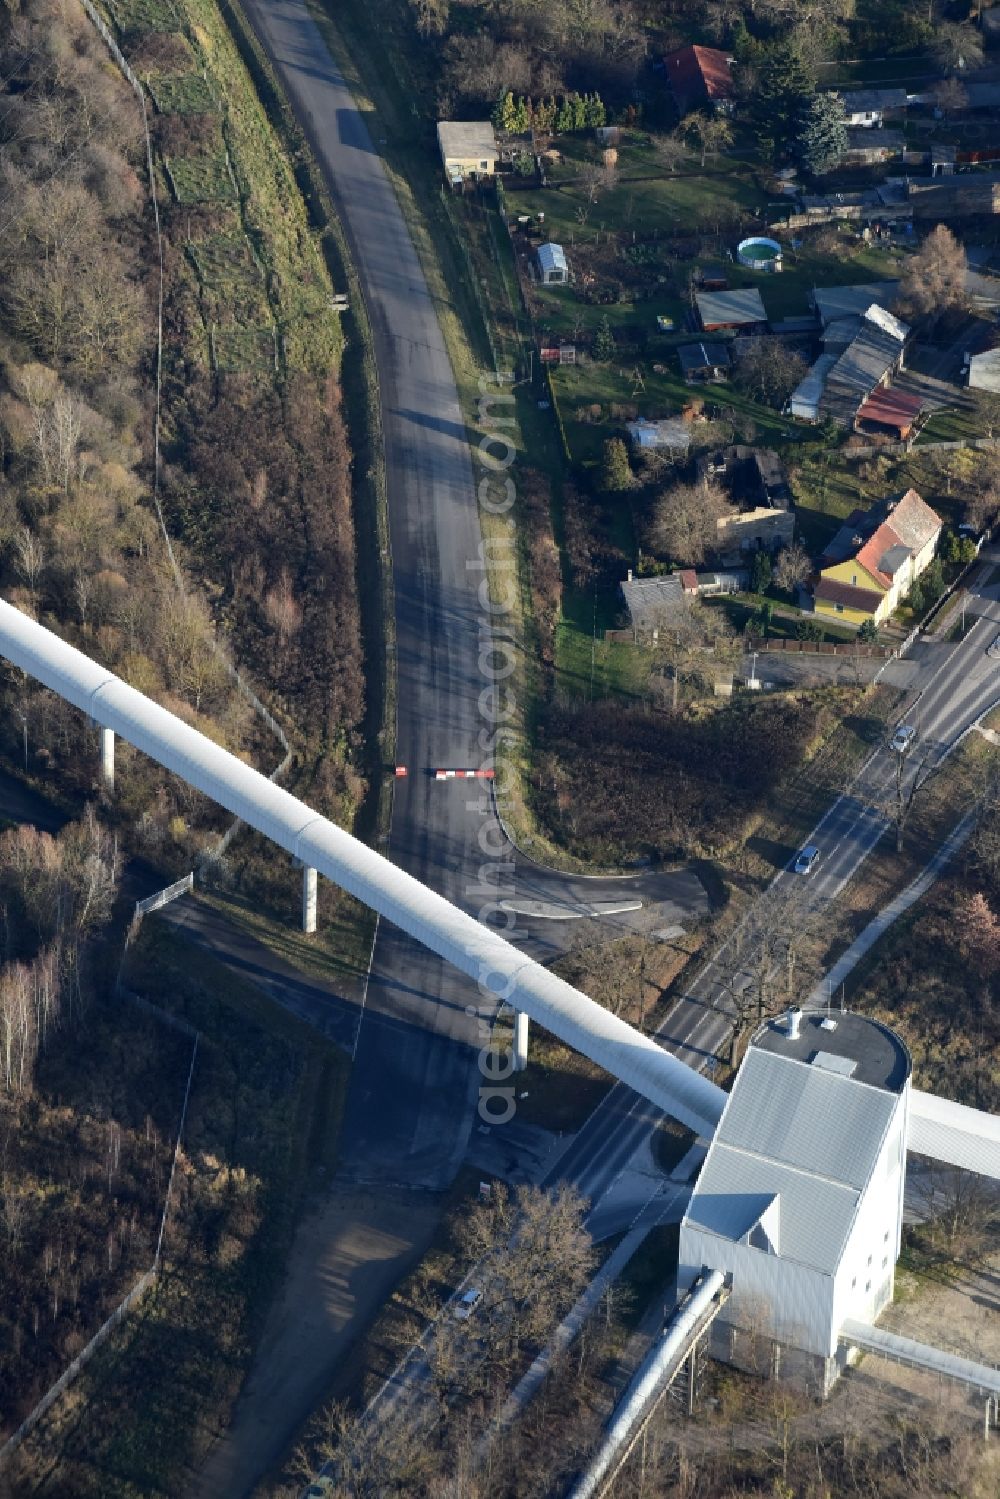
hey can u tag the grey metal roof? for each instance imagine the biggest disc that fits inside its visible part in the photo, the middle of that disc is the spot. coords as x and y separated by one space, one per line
802 1133
920 1355
815 1215
810 387
743 306
792 1112
863 138
852 301
868 100
863 365
551 257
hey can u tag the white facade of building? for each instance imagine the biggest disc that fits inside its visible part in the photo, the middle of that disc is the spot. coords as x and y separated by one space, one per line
984 371
800 1199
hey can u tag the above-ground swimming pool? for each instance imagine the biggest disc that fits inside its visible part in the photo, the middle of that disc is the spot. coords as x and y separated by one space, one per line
759 254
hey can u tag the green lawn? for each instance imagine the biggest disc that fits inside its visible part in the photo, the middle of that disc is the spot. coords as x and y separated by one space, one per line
185 93
648 205
582 387
201 179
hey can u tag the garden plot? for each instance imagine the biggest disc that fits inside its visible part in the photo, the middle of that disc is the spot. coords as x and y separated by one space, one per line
145 15
182 94
244 350
224 260
201 179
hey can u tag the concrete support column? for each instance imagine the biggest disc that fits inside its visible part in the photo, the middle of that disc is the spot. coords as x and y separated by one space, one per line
520 1040
108 758
308 898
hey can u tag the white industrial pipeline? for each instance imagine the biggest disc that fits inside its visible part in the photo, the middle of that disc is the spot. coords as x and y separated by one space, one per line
486 957
671 1349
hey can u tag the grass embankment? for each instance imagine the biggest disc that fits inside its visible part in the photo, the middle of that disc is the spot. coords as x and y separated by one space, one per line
262 1124
252 264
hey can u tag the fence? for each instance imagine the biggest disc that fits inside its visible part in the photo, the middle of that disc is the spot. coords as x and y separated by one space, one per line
822 648
123 1308
70 1373
163 897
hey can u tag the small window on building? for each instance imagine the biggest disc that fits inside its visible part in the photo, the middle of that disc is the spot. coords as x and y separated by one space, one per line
868 1285
885 1237
885 1261
854 1283
869 1260
854 579
840 608
484 166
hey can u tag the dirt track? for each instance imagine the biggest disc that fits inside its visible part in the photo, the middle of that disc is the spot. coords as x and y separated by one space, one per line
347 1256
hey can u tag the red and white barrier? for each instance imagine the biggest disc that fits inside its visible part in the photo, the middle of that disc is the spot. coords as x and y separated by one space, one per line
464 775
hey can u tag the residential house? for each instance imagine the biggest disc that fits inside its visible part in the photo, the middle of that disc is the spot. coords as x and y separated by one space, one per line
867 108
468 149
704 361
669 434
651 601
875 558
738 311
871 147
699 78
870 360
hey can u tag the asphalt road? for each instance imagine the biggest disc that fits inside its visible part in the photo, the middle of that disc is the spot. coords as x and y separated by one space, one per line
415 1083
955 686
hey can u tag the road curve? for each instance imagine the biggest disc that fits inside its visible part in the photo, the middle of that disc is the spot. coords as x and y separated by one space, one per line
413 1093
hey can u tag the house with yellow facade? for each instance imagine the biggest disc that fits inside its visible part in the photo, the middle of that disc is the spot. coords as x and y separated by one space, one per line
874 559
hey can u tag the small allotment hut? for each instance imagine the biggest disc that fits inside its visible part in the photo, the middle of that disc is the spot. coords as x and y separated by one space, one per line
468 149
552 267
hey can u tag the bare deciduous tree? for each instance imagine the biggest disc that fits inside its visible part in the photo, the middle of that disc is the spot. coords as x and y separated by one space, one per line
933 280
685 521
791 567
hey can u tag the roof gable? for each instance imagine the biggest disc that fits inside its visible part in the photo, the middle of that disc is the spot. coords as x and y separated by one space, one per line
796 1147
913 520
698 73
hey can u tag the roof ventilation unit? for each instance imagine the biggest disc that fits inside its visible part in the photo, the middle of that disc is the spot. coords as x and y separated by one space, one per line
828 1023
794 1019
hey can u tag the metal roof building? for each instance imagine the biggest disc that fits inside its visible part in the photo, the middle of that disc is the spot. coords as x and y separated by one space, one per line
800 1198
552 267
731 309
804 399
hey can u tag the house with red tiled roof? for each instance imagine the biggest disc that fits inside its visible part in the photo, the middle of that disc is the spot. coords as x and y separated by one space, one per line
699 78
875 559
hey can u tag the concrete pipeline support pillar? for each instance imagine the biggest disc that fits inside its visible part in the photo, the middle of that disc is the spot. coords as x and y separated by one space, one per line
520 1040
108 758
308 898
